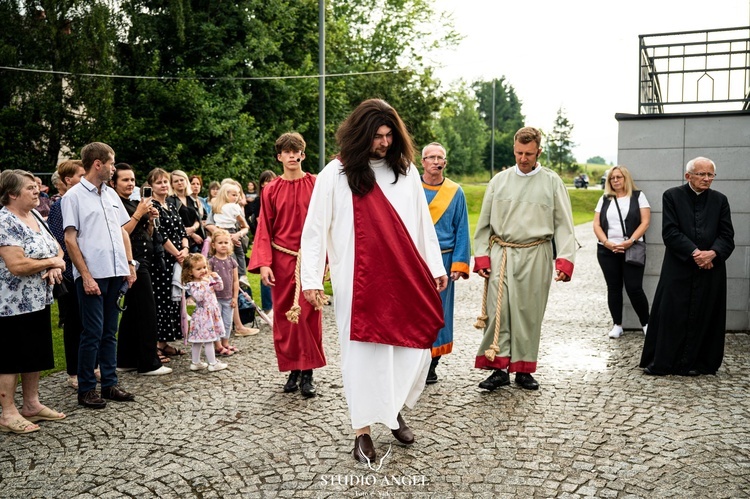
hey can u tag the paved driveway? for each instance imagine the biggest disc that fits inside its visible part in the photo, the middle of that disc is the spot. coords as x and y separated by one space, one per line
597 427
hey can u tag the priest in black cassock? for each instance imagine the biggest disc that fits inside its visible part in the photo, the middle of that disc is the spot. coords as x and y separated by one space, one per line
688 318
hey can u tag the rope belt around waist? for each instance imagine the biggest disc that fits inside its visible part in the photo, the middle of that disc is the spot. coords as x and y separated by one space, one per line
293 313
481 320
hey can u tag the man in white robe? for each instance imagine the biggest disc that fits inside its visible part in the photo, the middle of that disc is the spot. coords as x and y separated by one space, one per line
380 373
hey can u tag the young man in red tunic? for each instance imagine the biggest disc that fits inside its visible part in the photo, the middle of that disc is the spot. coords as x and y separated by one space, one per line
297 326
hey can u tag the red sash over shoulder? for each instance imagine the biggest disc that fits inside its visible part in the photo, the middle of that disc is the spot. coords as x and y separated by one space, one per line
394 298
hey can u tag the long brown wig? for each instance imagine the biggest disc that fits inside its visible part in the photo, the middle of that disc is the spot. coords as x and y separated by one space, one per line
355 137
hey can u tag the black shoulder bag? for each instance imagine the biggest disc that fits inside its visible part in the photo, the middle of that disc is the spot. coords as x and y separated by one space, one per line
636 254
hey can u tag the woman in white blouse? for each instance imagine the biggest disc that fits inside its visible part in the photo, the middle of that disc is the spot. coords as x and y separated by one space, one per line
622 206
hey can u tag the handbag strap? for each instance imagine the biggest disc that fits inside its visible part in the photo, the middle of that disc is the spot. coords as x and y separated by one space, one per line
619 213
43 224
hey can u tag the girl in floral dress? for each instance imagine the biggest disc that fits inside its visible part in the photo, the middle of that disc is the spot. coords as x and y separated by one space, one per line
206 324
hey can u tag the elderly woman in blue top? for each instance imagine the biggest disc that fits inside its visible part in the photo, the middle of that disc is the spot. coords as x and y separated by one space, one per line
31 261
70 173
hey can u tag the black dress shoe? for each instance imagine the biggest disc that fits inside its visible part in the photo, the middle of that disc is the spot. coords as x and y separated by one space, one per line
431 377
651 372
497 379
291 382
306 387
92 400
117 394
364 450
691 372
526 381
404 433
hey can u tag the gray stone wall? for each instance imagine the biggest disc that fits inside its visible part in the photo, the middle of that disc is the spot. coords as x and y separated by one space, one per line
655 148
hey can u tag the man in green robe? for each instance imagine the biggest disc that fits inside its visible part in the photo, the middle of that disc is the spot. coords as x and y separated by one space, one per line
525 209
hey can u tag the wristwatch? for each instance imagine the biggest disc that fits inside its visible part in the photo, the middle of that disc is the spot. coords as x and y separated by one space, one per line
133 263
632 241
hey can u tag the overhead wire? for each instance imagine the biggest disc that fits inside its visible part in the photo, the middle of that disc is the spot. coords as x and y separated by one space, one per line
217 78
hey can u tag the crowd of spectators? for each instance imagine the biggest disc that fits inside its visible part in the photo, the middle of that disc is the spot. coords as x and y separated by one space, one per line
172 214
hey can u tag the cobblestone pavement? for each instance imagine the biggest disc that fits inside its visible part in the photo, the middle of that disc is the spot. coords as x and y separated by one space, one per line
597 427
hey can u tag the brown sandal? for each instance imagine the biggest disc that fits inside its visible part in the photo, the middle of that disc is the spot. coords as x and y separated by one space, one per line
171 351
162 358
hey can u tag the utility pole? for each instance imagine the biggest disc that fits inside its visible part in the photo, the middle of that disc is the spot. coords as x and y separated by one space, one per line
492 140
322 84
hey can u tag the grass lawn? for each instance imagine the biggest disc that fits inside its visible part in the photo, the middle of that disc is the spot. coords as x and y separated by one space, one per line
583 202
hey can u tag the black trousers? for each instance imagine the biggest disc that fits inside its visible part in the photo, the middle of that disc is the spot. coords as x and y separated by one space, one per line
136 337
72 327
616 273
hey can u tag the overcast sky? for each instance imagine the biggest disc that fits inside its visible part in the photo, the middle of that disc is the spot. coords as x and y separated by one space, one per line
581 55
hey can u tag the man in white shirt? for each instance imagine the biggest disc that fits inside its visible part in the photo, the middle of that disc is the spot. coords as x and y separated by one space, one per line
99 248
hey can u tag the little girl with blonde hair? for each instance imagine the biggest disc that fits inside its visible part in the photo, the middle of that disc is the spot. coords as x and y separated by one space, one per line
206 325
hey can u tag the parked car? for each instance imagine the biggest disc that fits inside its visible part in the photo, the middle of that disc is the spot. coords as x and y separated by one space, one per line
581 181
603 180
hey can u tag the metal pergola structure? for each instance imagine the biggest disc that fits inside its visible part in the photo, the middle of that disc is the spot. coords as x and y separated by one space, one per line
694 71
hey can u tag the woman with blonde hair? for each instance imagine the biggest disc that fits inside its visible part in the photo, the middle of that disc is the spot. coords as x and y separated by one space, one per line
182 202
618 228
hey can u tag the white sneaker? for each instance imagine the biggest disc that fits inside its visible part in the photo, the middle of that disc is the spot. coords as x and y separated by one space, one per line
217 366
158 372
198 366
616 331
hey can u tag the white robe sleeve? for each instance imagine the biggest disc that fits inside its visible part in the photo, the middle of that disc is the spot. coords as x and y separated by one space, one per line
314 243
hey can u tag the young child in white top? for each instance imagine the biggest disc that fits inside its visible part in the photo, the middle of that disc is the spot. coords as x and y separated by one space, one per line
227 214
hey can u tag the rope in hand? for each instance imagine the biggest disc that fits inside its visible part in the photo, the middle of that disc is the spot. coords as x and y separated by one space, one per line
293 313
494 349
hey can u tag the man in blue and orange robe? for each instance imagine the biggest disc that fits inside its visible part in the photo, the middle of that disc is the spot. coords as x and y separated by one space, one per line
449 213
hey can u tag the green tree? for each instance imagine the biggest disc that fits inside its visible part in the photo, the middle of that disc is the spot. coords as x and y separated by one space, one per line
212 101
42 114
376 35
462 131
198 118
597 160
560 144
508 118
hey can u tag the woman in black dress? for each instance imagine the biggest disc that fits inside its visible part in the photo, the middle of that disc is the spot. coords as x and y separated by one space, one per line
136 336
176 249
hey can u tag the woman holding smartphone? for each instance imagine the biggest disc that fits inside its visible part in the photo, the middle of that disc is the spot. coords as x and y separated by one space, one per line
136 338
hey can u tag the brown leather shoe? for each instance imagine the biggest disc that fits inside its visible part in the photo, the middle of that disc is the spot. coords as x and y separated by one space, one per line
92 400
117 394
404 433
364 449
